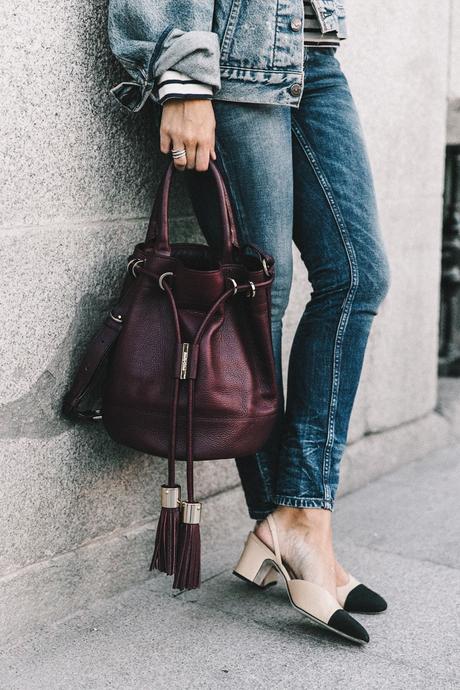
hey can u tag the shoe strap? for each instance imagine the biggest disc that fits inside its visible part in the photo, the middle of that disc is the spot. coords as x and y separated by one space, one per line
274 533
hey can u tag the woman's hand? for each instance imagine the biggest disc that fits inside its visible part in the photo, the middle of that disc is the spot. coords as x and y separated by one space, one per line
189 124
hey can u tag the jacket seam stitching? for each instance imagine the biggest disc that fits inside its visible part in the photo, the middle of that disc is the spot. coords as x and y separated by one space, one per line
230 26
276 33
257 69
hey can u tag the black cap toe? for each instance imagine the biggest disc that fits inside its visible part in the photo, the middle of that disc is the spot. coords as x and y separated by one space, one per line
343 622
361 599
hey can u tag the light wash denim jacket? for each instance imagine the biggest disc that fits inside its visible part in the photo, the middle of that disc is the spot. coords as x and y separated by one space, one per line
234 50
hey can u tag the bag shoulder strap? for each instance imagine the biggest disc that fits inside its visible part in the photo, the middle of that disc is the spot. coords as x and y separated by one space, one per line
96 353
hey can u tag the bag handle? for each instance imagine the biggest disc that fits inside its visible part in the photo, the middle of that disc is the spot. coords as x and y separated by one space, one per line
158 229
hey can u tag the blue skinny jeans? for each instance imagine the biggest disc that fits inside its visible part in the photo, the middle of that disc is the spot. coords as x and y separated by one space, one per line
303 175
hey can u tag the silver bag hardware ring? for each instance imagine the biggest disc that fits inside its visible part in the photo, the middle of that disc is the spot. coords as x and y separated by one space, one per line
235 285
253 290
133 264
264 264
162 277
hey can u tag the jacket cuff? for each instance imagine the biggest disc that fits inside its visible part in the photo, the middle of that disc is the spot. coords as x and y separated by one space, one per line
131 95
191 53
175 84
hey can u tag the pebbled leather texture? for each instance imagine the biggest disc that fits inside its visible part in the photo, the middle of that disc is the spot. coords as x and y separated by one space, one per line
230 388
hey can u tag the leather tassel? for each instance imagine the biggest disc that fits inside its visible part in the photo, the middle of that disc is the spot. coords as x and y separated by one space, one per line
166 540
188 562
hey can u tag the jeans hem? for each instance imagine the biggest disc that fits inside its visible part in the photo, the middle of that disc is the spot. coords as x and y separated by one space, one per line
260 514
304 502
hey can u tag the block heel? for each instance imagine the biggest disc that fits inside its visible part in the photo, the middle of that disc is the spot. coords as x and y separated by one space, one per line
254 566
267 582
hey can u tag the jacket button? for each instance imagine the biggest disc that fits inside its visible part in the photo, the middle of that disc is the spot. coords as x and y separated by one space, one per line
295 89
296 24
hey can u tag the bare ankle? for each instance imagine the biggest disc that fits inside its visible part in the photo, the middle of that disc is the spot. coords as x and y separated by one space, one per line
313 521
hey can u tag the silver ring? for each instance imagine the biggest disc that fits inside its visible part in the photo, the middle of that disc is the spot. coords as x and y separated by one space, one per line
235 285
133 264
162 277
253 289
118 318
178 153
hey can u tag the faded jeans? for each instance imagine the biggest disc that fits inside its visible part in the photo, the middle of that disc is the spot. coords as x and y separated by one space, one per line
304 175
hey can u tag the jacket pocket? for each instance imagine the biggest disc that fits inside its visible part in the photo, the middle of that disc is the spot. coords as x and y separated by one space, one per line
248 38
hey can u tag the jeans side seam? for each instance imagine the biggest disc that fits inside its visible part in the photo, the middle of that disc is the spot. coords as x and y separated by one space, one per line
346 305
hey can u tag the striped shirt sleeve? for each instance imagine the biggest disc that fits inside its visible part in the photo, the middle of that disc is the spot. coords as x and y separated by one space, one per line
174 84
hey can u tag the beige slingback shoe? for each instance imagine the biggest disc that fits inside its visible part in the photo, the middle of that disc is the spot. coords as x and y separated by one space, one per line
353 596
309 599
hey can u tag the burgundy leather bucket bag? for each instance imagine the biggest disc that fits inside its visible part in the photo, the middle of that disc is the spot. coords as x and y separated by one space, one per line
189 371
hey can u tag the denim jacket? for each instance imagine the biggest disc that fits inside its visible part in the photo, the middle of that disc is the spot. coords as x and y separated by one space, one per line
235 50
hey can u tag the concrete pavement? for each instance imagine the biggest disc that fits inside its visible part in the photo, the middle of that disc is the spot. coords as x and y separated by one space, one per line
399 534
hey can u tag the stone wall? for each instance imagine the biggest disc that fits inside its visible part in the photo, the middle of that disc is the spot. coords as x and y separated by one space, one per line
453 126
78 175
454 71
